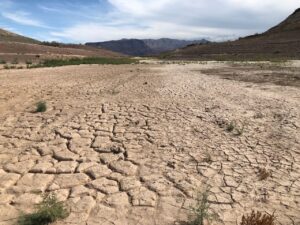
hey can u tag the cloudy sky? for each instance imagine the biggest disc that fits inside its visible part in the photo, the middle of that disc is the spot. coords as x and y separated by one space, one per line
99 20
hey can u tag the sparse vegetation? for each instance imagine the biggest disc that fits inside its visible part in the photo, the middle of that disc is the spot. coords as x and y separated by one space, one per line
41 106
263 174
7 67
2 61
230 127
258 218
202 211
78 61
48 211
235 128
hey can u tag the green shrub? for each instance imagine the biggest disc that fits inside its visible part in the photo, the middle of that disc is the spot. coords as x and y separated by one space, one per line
41 106
238 129
48 211
79 61
2 62
202 212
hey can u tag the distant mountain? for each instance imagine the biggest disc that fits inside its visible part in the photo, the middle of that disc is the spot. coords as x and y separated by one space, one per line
144 47
134 47
7 36
281 41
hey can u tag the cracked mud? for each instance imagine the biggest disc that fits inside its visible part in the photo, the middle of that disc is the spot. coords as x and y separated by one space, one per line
135 144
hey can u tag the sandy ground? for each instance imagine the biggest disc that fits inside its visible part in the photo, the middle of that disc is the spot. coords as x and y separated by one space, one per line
135 144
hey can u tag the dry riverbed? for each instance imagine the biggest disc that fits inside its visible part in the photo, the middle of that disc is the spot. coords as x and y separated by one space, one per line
135 144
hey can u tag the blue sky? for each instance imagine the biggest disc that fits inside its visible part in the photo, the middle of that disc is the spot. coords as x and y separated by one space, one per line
99 20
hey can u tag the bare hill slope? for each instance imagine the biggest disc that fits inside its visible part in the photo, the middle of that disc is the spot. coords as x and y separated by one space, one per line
14 47
281 41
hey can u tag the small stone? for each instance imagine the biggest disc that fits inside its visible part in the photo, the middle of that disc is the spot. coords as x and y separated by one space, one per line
98 171
143 197
20 167
129 183
68 180
8 179
80 191
124 167
102 144
33 183
117 200
27 199
66 167
78 144
105 185
65 155
43 167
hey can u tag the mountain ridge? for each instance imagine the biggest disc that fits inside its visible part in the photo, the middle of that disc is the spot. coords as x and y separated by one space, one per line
144 47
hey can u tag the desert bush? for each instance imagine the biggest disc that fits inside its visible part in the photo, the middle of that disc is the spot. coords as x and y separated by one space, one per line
258 218
263 174
48 211
6 67
230 127
202 212
238 129
2 62
41 106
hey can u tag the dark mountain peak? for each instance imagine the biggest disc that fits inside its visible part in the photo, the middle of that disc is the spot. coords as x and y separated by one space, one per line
297 11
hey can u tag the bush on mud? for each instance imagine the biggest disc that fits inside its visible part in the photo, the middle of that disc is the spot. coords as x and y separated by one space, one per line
48 211
41 107
202 211
258 218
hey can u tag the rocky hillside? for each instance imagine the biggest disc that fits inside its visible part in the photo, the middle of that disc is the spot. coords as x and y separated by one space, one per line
281 41
143 47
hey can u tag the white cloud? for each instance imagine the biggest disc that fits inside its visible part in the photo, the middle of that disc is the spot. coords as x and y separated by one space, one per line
188 19
23 18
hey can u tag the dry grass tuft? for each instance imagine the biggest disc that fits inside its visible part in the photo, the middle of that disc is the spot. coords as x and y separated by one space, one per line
258 218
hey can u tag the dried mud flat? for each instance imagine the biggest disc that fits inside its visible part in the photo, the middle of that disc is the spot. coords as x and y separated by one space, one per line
135 144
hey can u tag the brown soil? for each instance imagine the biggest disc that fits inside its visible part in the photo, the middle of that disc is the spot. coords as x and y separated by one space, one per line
134 144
